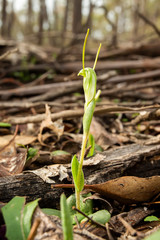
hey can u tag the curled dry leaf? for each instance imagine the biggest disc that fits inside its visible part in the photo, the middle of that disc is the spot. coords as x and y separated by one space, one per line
127 190
11 161
57 126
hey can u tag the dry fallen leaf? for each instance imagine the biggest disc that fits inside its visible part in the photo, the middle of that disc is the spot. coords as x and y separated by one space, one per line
102 137
57 126
48 173
128 189
11 161
23 140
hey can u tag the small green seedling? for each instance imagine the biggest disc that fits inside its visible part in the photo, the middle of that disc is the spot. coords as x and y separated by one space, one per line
91 97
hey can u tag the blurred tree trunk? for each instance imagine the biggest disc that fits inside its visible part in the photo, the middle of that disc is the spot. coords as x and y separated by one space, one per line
77 16
114 26
138 23
4 18
122 18
43 18
136 7
55 14
88 23
65 23
40 22
145 12
11 19
55 27
30 17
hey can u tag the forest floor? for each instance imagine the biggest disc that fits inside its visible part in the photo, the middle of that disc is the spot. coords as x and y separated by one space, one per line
41 110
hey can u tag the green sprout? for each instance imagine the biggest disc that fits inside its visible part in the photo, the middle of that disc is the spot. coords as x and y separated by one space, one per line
91 97
66 219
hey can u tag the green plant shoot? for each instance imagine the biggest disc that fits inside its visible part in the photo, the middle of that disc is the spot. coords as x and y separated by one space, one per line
91 97
66 219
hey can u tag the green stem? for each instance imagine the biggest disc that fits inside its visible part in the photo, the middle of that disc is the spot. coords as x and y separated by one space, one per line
84 142
78 199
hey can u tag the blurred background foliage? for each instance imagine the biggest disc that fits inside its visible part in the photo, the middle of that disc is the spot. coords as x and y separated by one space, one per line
58 22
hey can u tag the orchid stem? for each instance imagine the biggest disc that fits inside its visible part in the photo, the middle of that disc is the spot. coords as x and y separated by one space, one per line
84 142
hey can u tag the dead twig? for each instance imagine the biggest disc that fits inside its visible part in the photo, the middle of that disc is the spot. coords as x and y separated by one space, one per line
132 87
147 116
129 228
33 231
90 219
86 233
52 94
132 77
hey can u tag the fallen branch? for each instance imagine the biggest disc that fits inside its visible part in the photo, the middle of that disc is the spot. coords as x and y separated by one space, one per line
30 90
132 87
76 113
110 65
132 77
153 115
135 158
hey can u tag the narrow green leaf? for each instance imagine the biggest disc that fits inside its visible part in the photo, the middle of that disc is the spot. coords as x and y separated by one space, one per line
101 216
18 216
27 216
74 168
66 219
12 217
51 212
